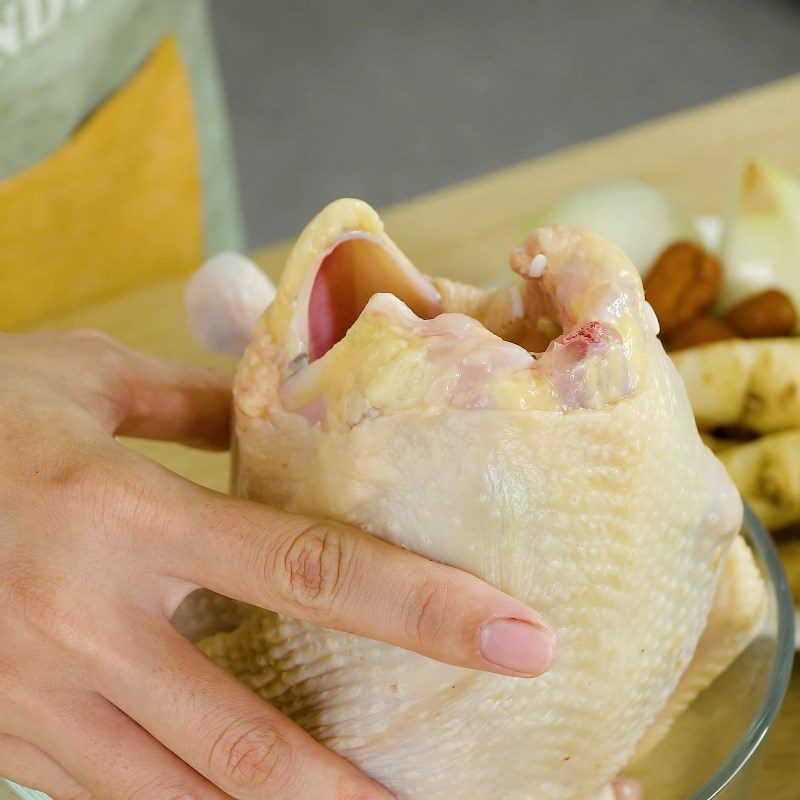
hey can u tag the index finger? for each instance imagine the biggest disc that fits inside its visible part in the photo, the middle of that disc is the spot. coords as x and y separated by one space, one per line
341 577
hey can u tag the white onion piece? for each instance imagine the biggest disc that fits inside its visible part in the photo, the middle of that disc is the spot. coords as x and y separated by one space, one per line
761 243
640 219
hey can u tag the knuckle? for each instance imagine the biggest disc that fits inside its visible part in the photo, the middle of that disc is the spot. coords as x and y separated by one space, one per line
427 610
101 346
316 563
79 481
106 498
129 500
112 398
111 361
250 756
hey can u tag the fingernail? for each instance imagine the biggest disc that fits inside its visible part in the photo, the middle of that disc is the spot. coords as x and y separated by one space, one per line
516 645
627 789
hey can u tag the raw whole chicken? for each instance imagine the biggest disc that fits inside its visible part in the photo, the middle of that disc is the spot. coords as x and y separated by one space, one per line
536 436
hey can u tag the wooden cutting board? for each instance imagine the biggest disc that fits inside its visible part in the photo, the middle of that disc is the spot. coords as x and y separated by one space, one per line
466 232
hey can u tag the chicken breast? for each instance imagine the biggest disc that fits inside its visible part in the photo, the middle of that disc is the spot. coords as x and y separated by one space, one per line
572 478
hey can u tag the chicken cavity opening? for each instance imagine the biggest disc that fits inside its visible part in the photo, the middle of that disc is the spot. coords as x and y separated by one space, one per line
562 314
562 323
358 267
352 272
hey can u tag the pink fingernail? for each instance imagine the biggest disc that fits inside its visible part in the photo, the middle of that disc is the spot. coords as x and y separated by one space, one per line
516 645
627 789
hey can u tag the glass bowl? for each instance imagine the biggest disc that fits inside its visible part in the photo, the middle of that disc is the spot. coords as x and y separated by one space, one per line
714 749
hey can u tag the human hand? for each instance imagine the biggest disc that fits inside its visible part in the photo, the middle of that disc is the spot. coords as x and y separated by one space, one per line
100 697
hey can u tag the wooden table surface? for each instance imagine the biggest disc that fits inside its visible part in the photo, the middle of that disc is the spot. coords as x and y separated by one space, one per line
466 231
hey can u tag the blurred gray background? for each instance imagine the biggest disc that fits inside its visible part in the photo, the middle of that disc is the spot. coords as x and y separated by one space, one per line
385 100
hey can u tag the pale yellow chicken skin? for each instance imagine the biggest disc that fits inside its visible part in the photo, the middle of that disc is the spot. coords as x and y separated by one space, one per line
573 479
